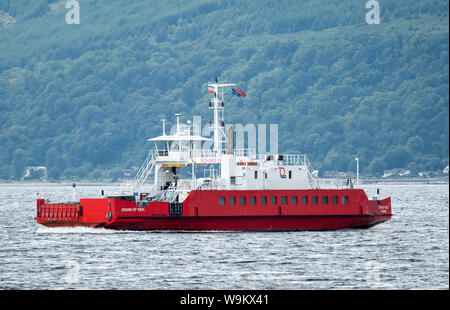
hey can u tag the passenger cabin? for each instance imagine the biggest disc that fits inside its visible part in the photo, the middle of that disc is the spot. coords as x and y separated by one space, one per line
180 162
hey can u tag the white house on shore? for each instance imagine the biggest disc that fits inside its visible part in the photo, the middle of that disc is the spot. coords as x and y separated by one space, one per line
30 170
397 172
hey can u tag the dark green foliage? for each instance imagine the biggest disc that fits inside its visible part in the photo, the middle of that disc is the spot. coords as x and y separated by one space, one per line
80 99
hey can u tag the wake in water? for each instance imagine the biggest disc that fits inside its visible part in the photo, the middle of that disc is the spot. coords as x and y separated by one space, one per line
92 230
76 230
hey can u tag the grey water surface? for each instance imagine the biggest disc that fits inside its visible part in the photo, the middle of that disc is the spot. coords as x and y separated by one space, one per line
411 251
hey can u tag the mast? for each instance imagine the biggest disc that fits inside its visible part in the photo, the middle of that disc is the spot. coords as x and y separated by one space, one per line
219 107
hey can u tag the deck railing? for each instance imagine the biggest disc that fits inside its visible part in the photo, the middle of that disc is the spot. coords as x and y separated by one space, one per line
282 159
198 184
334 183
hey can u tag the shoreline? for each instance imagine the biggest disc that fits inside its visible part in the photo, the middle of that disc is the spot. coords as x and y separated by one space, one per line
407 180
441 180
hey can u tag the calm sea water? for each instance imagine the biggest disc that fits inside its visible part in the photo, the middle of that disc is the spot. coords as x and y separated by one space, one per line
411 251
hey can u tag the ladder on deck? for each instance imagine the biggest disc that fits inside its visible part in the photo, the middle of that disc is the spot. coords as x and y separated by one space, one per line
170 194
145 169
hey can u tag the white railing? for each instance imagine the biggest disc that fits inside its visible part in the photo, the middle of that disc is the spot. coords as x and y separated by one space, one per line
212 153
245 152
294 160
283 159
196 184
333 183
145 169
169 194
204 153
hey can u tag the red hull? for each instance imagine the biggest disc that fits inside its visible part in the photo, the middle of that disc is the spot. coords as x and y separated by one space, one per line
269 223
264 210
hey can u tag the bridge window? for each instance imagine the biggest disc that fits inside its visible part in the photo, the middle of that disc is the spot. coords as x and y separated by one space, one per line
293 200
335 200
273 200
344 200
283 200
221 201
253 200
324 200
242 201
314 200
232 201
263 200
304 200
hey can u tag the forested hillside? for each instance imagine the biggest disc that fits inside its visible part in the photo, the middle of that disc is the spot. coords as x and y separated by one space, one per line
83 98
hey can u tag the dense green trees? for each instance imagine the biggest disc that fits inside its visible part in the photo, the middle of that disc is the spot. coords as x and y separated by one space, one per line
80 99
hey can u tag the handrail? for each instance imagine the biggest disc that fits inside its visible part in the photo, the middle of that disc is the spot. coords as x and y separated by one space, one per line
145 169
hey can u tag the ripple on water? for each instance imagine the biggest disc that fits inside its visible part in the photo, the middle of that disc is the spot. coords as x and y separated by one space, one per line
408 252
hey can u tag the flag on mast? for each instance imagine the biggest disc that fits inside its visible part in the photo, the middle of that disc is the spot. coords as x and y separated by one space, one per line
238 92
210 90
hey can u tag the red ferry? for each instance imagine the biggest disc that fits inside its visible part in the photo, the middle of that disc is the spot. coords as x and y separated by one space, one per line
240 190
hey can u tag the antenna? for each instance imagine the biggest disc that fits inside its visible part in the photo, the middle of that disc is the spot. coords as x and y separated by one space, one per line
189 126
178 121
163 126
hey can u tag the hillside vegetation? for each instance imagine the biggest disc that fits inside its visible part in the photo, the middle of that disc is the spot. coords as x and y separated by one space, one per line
83 98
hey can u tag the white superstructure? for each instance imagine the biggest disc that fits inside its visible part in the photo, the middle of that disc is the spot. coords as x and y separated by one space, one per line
179 164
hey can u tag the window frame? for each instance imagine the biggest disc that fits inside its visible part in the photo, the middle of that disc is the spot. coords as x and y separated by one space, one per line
261 199
232 201
273 200
222 201
242 200
294 198
334 200
344 200
305 200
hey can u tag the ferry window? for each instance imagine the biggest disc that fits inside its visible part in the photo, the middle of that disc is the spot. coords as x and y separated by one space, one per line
253 200
283 200
273 200
344 200
233 180
293 200
263 200
334 200
290 174
304 200
324 200
314 200
221 201
265 175
242 201
256 175
232 201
